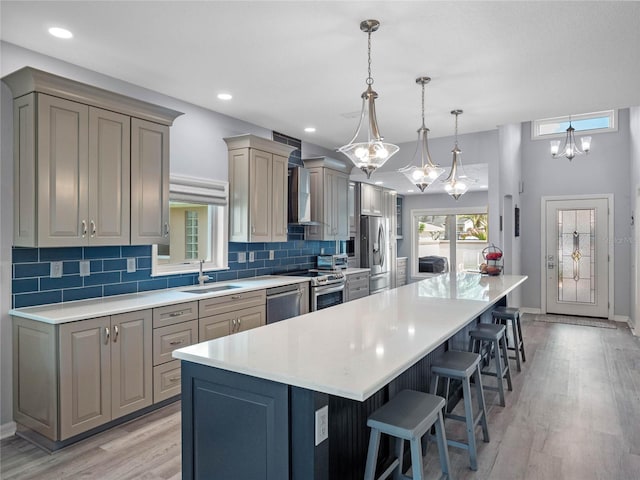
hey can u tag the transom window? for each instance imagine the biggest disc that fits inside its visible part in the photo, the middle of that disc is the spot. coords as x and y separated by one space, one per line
596 122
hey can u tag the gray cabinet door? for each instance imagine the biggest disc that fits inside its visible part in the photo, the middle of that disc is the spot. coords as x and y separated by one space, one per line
260 194
341 200
131 362
149 183
280 200
109 172
62 172
85 375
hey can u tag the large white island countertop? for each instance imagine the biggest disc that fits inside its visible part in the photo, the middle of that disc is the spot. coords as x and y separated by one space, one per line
354 349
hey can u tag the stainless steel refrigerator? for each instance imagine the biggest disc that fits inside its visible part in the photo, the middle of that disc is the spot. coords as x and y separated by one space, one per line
375 252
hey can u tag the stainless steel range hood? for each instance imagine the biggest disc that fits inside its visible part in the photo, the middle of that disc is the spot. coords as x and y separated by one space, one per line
300 197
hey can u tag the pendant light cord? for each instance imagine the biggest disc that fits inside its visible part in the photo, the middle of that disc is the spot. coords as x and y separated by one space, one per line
456 141
423 126
369 78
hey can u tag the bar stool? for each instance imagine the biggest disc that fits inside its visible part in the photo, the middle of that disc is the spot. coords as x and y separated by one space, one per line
407 416
463 366
504 315
495 339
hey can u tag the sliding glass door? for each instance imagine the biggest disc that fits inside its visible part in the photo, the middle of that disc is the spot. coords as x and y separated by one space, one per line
448 240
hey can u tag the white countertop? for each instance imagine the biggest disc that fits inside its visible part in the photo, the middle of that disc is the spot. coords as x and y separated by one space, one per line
64 312
354 349
355 270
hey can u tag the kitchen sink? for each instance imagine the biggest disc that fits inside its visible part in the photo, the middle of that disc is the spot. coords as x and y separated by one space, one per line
219 288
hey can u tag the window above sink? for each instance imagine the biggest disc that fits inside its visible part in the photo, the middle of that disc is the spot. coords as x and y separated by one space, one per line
198 227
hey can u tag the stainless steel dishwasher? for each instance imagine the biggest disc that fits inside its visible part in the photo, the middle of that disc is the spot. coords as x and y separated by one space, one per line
283 302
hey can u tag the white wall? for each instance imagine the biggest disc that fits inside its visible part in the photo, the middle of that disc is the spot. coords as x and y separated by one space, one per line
604 170
634 195
197 149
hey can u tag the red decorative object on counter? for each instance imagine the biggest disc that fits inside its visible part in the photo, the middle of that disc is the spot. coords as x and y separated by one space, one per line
494 262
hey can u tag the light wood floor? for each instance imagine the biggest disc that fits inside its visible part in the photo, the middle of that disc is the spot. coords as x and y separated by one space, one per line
574 414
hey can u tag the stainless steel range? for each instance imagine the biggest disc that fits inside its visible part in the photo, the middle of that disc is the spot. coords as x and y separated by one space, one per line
327 287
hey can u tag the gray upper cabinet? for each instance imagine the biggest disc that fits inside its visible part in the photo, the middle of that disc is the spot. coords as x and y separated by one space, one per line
149 183
258 190
329 188
371 202
91 166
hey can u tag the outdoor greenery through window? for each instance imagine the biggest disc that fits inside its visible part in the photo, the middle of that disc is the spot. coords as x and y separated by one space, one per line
445 241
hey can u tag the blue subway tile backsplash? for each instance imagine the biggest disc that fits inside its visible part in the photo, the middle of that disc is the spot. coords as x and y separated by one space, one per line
31 284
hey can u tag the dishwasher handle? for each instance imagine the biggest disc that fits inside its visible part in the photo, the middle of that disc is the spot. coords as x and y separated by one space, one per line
284 294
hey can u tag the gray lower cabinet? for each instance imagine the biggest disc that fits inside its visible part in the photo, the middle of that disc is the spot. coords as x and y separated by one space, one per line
73 377
357 286
401 271
227 314
305 300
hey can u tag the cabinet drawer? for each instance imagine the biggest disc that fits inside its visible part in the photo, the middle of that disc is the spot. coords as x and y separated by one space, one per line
358 293
169 338
172 314
229 303
401 272
166 381
401 262
357 277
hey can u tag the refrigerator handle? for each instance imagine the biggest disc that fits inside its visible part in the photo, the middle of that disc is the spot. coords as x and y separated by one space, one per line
381 242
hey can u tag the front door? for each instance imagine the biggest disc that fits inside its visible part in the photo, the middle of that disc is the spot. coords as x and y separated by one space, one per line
577 257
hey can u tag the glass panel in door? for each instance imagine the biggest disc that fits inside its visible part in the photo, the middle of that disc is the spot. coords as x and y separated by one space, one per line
576 248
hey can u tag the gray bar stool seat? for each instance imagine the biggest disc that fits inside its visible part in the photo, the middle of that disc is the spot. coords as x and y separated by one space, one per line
511 316
491 339
407 416
463 366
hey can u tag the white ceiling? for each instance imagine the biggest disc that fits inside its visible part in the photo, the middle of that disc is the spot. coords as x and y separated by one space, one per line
295 64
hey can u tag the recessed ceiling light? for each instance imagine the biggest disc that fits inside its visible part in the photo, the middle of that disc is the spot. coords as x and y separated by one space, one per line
60 32
225 96
379 182
310 129
410 191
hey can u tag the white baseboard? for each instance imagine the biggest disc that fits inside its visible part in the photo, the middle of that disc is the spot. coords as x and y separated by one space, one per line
534 311
7 430
622 318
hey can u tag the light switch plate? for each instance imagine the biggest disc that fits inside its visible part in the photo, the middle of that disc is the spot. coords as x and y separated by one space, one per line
271 255
55 270
322 424
85 268
242 257
131 265
252 256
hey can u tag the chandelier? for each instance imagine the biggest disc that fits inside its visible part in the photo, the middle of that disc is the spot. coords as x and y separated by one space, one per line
457 183
373 153
570 149
424 175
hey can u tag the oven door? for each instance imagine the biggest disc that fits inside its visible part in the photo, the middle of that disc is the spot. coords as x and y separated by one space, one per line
326 296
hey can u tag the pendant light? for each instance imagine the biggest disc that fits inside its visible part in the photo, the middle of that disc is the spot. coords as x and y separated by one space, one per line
424 175
457 183
372 153
570 149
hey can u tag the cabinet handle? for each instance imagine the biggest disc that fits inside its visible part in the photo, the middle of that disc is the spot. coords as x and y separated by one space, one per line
84 228
176 314
239 323
175 342
174 379
233 325
235 297
115 333
106 335
253 229
93 229
166 229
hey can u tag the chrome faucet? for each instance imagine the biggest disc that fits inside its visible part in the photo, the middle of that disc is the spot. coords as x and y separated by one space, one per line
202 278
